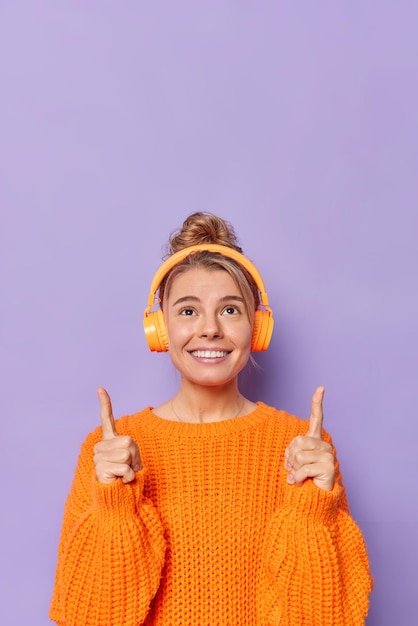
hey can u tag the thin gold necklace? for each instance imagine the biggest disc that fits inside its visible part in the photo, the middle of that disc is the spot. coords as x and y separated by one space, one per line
183 422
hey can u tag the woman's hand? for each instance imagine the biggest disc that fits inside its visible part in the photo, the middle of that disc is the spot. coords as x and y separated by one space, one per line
309 456
114 456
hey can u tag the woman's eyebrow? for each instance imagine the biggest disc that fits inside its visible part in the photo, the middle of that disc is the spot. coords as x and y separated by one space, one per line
186 299
229 298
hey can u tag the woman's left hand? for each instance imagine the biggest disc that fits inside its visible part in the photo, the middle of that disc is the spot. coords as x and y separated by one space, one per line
309 456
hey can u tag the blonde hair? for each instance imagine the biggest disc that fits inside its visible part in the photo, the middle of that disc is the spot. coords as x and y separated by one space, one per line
199 228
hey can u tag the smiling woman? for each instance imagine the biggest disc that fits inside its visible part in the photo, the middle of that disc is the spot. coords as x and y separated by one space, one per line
210 508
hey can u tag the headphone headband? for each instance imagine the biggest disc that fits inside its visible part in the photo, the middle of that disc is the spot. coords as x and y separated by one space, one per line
179 256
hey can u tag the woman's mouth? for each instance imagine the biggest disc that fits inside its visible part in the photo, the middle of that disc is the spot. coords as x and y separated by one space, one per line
209 354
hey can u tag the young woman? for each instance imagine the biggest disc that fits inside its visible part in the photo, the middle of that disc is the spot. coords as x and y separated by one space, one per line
210 508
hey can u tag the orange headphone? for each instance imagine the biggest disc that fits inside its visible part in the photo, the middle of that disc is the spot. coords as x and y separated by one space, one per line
154 325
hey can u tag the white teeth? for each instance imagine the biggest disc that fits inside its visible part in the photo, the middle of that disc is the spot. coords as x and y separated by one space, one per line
209 354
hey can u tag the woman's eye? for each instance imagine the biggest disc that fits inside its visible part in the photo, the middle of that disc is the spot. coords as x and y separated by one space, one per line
187 312
231 310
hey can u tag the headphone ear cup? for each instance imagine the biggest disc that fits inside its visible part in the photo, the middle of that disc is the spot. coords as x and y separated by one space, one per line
262 331
155 332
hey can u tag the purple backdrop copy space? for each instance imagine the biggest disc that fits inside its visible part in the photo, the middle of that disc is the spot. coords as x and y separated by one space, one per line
296 122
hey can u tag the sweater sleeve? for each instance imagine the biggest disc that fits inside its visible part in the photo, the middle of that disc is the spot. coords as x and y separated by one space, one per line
111 551
315 568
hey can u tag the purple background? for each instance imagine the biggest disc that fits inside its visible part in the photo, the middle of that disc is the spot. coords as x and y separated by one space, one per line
298 122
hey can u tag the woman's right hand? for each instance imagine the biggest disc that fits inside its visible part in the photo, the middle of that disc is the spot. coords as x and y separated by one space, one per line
115 456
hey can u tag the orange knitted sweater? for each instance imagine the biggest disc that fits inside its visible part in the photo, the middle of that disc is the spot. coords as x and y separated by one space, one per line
209 533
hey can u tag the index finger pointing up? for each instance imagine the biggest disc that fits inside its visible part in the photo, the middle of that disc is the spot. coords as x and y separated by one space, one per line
317 414
106 415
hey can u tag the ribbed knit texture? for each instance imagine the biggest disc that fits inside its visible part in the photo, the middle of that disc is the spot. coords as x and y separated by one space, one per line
209 533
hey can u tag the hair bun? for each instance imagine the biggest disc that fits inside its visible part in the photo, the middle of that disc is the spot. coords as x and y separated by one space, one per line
201 228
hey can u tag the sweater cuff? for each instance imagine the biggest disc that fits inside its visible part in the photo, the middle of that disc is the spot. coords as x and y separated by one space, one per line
119 497
310 500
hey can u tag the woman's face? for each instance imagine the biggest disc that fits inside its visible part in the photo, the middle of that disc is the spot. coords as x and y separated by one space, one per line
209 332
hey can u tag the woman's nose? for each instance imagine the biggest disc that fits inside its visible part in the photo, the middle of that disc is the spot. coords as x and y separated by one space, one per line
210 326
